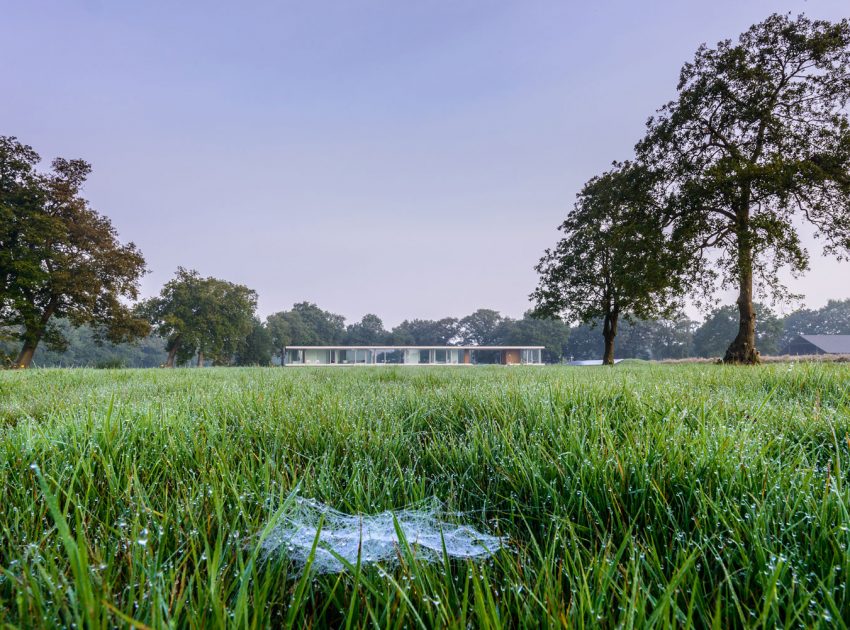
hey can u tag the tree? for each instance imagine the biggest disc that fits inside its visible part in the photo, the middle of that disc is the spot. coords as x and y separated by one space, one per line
479 328
614 259
369 331
256 348
319 327
757 139
206 317
426 332
58 257
305 325
280 330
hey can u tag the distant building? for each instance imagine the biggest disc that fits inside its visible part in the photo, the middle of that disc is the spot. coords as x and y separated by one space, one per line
819 344
413 355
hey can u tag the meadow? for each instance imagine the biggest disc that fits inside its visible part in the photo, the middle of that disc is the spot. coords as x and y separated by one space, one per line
643 495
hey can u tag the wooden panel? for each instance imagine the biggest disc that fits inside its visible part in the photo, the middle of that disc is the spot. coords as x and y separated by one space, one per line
511 357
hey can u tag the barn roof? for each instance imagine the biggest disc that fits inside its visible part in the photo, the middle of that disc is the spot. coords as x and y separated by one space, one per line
831 344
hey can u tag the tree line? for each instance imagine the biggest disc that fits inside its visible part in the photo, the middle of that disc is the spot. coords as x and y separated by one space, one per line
655 339
756 141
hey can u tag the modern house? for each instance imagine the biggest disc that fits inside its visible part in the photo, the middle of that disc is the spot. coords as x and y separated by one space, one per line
413 355
819 344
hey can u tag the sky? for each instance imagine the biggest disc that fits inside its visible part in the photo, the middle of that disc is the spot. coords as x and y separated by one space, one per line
405 158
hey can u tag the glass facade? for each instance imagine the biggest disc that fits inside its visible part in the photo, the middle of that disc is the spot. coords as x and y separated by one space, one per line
412 356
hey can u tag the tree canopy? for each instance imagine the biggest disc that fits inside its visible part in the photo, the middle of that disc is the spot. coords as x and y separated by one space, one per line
369 331
479 328
59 258
757 139
425 332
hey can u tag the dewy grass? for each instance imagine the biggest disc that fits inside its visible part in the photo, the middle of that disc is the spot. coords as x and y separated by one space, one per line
678 495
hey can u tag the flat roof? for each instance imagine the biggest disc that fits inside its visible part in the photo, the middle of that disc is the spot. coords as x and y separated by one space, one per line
415 347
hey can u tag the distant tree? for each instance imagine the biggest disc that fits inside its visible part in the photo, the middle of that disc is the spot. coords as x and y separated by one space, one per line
280 329
832 319
614 259
657 339
551 333
58 257
479 328
712 338
757 140
319 327
426 332
584 342
369 331
652 339
206 317
256 348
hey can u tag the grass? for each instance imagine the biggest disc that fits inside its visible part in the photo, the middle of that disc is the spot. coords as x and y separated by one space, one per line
644 495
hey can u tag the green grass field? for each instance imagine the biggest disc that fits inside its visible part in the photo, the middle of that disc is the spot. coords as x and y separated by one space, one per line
640 495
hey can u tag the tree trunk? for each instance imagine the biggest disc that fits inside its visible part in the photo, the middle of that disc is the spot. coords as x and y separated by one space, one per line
32 337
743 349
172 354
25 357
200 359
173 347
283 356
609 331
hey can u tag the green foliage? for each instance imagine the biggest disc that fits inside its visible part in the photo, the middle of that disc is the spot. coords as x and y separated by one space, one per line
320 327
58 257
199 316
758 140
369 331
654 339
426 332
306 325
83 349
720 327
646 496
480 328
257 347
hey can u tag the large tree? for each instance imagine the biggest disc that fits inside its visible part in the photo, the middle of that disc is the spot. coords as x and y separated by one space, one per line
59 258
757 140
203 317
615 259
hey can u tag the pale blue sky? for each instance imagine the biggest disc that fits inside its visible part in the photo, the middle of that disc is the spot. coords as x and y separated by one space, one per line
407 158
